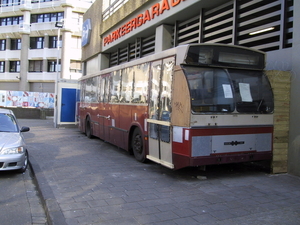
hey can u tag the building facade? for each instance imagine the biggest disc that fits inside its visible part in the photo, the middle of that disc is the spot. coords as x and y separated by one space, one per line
35 51
128 30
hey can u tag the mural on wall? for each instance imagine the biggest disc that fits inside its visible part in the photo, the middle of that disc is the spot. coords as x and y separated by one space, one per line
26 99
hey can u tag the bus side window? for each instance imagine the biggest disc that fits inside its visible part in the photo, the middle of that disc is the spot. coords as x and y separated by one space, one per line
115 87
141 77
126 85
107 88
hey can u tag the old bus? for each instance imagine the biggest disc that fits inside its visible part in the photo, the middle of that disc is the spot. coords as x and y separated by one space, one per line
193 105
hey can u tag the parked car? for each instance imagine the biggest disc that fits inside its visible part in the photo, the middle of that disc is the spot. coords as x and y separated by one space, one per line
13 151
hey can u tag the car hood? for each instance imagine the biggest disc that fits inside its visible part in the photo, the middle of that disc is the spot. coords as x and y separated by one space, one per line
10 140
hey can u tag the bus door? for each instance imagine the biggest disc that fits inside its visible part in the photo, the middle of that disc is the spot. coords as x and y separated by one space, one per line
159 126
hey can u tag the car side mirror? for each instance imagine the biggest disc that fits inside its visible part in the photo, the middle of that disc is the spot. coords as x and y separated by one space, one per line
25 129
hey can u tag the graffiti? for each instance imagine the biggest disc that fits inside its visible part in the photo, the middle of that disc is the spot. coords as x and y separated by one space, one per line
178 106
26 99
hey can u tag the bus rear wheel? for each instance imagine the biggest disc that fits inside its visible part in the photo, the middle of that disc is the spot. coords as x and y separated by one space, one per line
138 146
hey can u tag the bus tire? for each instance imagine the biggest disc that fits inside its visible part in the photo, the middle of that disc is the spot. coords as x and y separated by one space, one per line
138 146
88 131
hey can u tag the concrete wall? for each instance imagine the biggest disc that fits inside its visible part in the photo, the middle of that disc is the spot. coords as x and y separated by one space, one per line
94 47
31 113
294 137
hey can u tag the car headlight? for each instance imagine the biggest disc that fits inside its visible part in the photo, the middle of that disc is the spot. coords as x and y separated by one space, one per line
8 151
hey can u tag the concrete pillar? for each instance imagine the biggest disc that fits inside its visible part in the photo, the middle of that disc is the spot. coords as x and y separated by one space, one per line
104 59
6 69
66 43
8 43
23 84
45 65
46 41
163 38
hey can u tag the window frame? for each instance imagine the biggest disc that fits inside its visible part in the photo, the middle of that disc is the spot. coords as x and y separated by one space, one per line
35 66
16 44
37 42
2 66
14 66
2 44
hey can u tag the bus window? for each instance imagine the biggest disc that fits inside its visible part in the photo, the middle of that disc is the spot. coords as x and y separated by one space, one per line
210 90
165 97
140 89
101 88
106 89
115 86
126 87
94 93
154 97
253 91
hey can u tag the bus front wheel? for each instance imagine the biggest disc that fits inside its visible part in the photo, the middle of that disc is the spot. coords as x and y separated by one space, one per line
138 146
88 131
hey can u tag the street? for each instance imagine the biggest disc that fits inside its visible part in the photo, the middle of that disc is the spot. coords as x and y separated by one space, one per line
87 181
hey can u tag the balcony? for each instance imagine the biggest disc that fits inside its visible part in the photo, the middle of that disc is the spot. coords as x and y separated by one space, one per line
42 76
9 77
10 31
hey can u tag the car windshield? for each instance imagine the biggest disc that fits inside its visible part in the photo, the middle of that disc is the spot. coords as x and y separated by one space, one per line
8 123
229 90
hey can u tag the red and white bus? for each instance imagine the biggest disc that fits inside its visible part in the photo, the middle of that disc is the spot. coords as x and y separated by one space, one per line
193 105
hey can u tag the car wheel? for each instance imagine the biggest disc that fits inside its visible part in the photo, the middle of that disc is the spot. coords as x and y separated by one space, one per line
24 167
138 146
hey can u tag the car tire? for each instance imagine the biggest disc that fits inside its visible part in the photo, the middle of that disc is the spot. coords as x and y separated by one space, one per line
24 167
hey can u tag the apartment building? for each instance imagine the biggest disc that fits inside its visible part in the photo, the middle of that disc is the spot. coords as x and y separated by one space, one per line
40 43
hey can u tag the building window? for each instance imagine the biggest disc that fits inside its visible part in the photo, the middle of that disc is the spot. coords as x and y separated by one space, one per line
75 67
38 1
2 66
2 45
76 42
14 66
47 17
36 42
52 66
7 21
53 42
35 65
15 44
6 3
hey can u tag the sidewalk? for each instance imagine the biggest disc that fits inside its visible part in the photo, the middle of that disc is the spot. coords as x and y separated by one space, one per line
87 181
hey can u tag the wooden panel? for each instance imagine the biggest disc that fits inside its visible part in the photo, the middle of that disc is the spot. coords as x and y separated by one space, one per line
181 102
280 82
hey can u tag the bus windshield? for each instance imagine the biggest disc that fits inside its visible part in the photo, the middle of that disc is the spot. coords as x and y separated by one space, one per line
228 90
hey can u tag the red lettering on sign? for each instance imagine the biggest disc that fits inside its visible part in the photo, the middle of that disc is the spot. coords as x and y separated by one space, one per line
164 6
155 10
146 16
139 20
175 2
132 24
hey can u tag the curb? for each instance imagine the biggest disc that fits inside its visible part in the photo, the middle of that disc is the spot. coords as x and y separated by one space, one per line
53 212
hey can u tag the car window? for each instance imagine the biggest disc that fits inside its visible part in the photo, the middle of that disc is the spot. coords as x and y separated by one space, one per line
8 123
